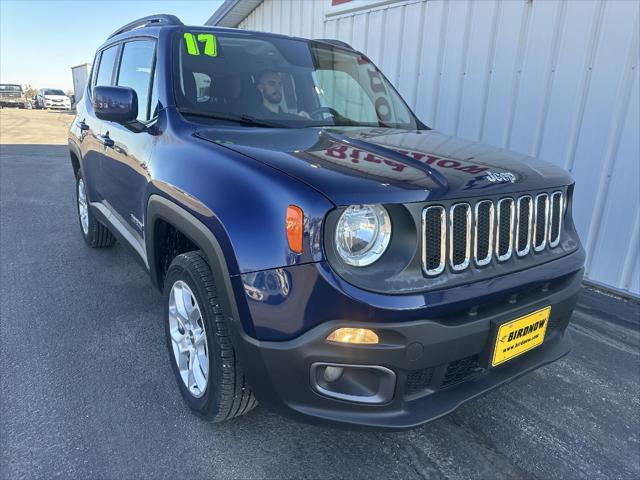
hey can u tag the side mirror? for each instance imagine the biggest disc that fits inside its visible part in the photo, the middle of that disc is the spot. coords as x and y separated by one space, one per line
115 104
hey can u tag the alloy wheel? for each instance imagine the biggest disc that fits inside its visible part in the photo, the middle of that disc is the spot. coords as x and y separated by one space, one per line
188 338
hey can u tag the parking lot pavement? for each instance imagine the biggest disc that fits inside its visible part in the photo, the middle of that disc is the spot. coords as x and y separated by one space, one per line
86 389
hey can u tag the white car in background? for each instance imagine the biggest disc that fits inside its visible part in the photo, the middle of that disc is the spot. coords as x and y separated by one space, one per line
52 98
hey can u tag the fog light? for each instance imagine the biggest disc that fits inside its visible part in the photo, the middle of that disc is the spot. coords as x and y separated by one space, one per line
353 335
331 374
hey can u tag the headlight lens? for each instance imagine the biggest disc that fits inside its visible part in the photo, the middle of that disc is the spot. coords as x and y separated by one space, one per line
362 234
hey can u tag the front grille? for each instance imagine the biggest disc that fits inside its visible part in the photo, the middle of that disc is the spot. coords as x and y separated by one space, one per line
524 225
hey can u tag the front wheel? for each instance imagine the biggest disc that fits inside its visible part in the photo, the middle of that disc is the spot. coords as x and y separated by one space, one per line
202 356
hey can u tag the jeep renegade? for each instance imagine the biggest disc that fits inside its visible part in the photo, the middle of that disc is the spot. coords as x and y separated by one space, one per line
321 251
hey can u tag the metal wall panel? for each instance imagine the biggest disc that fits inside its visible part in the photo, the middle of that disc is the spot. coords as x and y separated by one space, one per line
554 79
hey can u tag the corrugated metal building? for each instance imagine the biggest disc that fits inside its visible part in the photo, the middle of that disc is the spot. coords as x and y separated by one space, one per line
554 79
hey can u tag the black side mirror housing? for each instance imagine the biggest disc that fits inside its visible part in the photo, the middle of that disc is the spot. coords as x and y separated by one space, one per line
115 104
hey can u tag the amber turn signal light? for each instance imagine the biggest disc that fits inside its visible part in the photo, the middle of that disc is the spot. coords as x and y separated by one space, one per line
294 225
353 335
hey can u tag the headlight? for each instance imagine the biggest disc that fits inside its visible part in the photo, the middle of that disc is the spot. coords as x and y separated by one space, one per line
362 234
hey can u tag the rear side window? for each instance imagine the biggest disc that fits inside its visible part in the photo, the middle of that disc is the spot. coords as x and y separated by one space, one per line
135 72
105 69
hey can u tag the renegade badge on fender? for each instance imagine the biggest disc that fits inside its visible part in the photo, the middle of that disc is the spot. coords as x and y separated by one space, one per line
321 251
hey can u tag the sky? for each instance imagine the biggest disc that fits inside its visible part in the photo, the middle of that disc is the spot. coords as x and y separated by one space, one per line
41 40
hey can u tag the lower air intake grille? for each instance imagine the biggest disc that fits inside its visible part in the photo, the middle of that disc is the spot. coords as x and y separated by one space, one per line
461 370
418 380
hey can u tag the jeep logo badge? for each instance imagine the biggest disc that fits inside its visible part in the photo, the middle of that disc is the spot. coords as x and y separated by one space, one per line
494 177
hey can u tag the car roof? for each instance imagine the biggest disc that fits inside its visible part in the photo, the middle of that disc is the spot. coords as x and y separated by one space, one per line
153 25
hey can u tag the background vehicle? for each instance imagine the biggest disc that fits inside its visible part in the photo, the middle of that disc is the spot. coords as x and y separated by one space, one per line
319 248
11 95
53 98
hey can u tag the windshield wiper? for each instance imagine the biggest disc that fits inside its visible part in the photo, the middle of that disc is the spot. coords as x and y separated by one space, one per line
243 119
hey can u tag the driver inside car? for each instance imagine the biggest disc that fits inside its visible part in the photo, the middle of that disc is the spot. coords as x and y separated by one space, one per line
270 88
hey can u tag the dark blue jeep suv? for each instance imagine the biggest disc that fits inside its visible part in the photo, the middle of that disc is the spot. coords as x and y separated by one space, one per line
321 251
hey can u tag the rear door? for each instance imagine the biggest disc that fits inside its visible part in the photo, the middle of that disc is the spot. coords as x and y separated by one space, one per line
89 126
125 166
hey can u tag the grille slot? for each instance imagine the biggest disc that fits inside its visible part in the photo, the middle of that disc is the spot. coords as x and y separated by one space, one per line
540 222
555 218
460 236
483 232
523 225
434 229
504 233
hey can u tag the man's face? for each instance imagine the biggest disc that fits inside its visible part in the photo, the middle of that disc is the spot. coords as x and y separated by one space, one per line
271 87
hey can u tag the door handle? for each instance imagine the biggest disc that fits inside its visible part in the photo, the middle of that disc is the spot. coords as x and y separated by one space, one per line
83 126
105 140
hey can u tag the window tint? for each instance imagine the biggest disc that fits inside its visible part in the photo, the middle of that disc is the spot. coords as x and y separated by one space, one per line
107 61
135 71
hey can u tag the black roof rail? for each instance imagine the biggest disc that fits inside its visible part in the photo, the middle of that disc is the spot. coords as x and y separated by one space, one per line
161 19
331 41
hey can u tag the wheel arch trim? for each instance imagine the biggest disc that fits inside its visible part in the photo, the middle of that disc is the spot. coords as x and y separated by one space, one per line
161 208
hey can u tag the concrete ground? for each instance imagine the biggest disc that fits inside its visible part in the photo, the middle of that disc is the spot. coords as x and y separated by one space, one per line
86 389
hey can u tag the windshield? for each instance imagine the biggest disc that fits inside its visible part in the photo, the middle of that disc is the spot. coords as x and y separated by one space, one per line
53 91
288 82
10 88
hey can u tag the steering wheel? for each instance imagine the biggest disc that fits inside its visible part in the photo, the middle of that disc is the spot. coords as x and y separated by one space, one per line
317 111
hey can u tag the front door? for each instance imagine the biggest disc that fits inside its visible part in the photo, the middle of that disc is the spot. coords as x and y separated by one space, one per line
125 172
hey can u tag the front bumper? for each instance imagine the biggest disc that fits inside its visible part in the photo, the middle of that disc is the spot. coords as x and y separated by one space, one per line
13 103
437 363
58 106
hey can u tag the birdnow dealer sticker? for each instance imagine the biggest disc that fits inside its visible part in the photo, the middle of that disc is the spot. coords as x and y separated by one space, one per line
520 335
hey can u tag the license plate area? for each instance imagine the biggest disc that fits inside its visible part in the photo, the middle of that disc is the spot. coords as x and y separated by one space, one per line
515 337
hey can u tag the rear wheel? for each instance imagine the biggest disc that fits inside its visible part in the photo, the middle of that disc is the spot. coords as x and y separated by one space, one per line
94 233
202 356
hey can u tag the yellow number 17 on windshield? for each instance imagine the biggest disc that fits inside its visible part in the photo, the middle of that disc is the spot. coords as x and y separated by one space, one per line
207 39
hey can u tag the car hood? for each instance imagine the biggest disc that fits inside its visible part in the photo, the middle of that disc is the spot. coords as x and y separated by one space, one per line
56 97
351 165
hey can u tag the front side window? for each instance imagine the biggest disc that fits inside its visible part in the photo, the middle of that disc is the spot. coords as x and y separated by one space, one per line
288 82
105 69
135 72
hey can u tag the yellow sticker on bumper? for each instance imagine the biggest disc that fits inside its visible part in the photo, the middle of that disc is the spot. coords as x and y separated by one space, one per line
520 335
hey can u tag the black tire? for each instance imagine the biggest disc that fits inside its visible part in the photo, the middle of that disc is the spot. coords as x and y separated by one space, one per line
97 235
227 394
